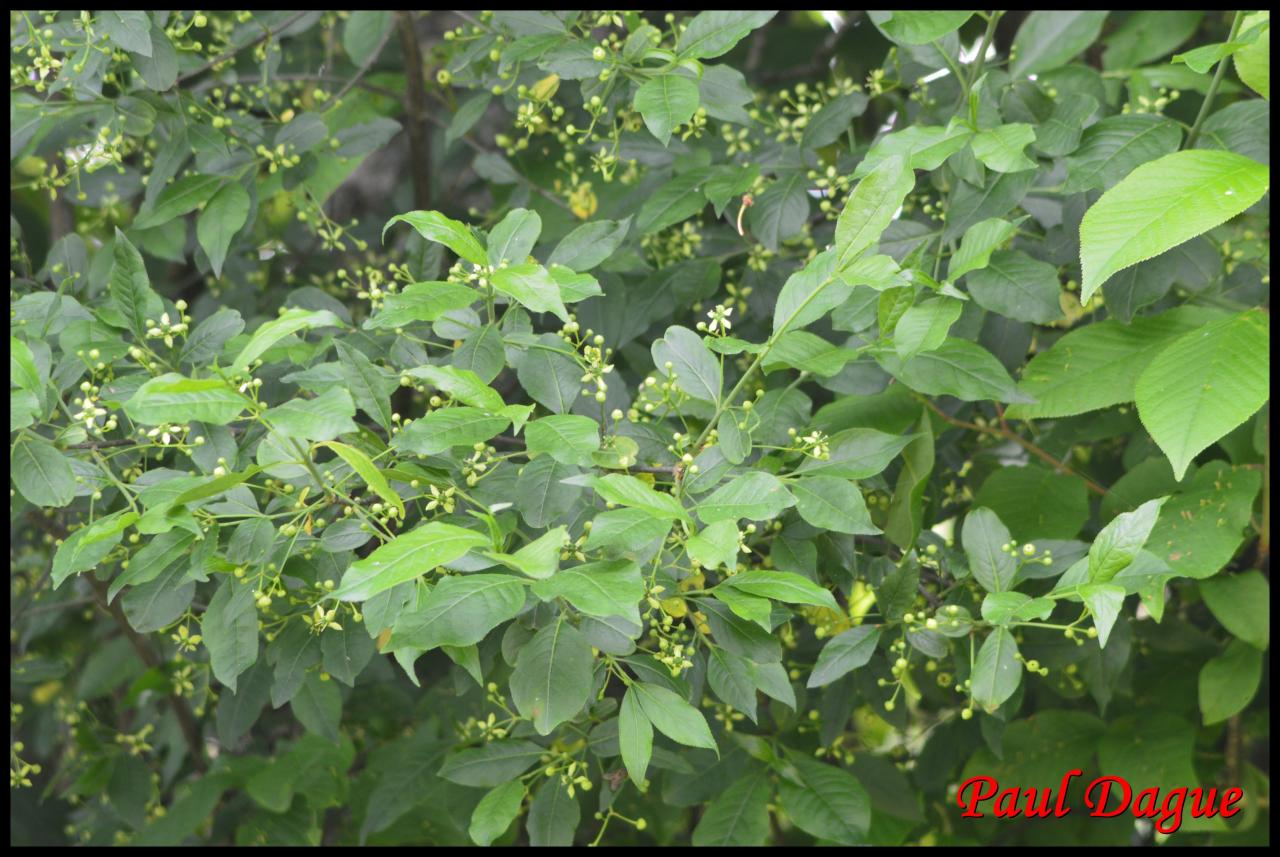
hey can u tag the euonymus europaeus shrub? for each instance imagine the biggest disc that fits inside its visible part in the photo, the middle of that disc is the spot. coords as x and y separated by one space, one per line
606 427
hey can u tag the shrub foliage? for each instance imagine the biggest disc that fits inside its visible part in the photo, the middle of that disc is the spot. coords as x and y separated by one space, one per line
550 427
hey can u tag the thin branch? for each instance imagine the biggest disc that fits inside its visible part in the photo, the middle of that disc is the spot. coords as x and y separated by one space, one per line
416 110
267 34
668 470
364 67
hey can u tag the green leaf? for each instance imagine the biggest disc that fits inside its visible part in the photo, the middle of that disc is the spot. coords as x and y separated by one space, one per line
1253 62
979 242
567 438
918 28
1001 148
290 322
182 197
421 302
532 287
834 504
831 805
673 717
697 371
715 32
495 812
1110 354
957 368
1162 204
924 146
589 244
369 472
553 816
1228 682
715 545
983 538
601 589
467 115
130 31
1204 384
1104 601
224 216
665 102
756 496
1202 528
86 547
434 226
322 418
407 557
230 631
997 671
924 326
1242 603
781 211
1035 502
491 764
844 653
23 372
808 295
635 736
462 385
362 34
551 681
781 586
1001 608
449 427
1049 39
171 398
1015 285
130 288
624 490
540 558
833 120
1120 541
459 611
513 238
1111 148
677 200
41 474
738 816
870 208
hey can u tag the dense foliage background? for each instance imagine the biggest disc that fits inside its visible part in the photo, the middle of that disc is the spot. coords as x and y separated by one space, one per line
608 427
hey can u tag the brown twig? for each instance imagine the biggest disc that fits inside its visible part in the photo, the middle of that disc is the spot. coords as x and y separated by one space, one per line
186 719
415 110
1009 434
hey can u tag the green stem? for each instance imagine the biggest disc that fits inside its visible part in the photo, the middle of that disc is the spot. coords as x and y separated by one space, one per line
1213 85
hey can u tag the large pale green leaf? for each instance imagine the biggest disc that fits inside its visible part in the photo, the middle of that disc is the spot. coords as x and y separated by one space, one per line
1162 204
1204 384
